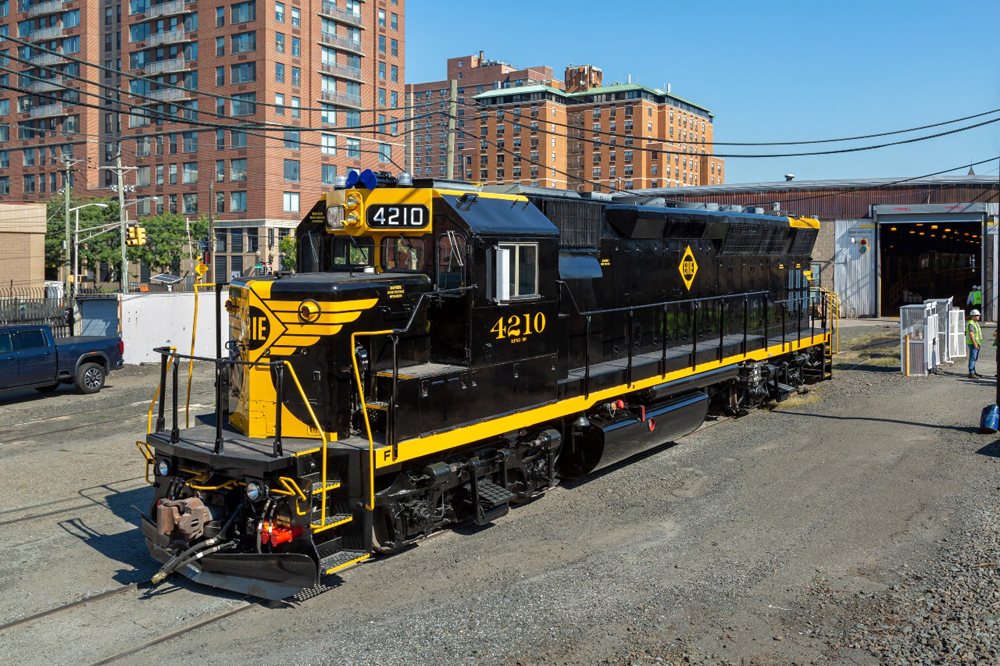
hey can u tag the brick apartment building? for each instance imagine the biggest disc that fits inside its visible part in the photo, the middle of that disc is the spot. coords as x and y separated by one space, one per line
428 138
526 128
334 64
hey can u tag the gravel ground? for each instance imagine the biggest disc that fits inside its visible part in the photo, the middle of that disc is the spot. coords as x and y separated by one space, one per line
852 525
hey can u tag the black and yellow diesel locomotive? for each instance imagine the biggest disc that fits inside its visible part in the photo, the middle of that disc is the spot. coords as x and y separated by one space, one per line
447 350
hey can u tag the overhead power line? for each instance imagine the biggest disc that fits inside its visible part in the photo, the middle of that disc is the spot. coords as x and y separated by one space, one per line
175 86
481 107
756 156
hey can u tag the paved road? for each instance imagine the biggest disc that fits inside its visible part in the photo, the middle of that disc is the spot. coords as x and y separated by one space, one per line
747 541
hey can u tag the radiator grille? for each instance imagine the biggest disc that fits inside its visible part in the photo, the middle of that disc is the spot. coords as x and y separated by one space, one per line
748 239
804 241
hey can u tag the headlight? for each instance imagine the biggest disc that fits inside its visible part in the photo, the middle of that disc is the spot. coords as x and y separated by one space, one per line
163 467
255 491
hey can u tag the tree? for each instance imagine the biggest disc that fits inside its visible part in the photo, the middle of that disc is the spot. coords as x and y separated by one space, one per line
166 241
166 237
106 247
287 251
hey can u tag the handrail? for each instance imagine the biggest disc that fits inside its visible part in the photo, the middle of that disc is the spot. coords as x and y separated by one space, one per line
169 355
799 302
149 418
322 434
364 412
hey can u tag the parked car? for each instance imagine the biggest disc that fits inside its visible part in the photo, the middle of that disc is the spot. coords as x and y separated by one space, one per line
30 357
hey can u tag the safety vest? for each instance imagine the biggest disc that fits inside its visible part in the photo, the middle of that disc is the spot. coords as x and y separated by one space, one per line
975 297
973 333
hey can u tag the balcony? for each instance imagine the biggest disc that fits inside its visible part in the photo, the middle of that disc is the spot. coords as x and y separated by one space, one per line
343 99
164 95
337 14
164 66
47 59
43 8
169 37
48 111
45 86
52 32
167 9
343 71
344 43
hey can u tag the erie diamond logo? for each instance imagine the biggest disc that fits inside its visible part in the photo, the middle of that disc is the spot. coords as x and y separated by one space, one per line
688 268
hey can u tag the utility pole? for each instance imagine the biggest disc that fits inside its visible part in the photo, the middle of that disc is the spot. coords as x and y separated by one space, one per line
410 139
211 232
452 111
122 216
67 163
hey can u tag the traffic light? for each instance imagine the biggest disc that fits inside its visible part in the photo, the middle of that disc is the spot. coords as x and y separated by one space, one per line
136 235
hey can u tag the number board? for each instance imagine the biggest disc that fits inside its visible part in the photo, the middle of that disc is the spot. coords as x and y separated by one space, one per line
398 216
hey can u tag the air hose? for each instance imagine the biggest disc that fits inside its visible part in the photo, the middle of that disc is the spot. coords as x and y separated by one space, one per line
197 550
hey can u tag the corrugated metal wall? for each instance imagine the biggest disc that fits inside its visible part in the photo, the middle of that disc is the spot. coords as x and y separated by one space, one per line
849 203
854 271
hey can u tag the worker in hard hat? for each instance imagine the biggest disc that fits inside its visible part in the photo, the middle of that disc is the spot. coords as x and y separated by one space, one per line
975 298
973 338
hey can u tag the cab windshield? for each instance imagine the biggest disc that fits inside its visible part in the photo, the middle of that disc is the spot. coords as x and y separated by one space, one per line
402 253
350 253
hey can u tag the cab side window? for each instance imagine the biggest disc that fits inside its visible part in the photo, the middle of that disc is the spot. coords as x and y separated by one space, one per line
5 343
514 272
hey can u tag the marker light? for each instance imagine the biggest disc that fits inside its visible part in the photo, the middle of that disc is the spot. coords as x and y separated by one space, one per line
934 226
335 218
163 467
353 201
309 310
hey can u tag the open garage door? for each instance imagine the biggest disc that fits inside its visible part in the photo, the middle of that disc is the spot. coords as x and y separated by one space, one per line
930 251
921 260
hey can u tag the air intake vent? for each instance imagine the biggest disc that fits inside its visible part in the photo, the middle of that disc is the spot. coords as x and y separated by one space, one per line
579 222
755 239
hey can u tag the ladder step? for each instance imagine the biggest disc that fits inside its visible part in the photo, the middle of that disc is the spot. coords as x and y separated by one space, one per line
331 485
332 521
342 560
377 405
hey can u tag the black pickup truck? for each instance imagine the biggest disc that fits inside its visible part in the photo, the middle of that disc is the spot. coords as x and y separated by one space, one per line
31 358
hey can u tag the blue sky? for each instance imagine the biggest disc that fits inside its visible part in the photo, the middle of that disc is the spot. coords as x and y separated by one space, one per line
770 71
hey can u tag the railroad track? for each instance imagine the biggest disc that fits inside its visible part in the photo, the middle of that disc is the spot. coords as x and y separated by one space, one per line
65 607
183 630
104 416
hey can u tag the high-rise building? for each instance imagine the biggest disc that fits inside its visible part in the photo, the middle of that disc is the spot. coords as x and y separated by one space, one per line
245 109
575 134
427 137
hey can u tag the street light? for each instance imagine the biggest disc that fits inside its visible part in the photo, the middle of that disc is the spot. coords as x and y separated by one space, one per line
76 244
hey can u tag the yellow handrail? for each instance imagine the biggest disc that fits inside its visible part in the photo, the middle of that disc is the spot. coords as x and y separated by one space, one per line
149 416
834 306
147 453
322 434
364 412
194 330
